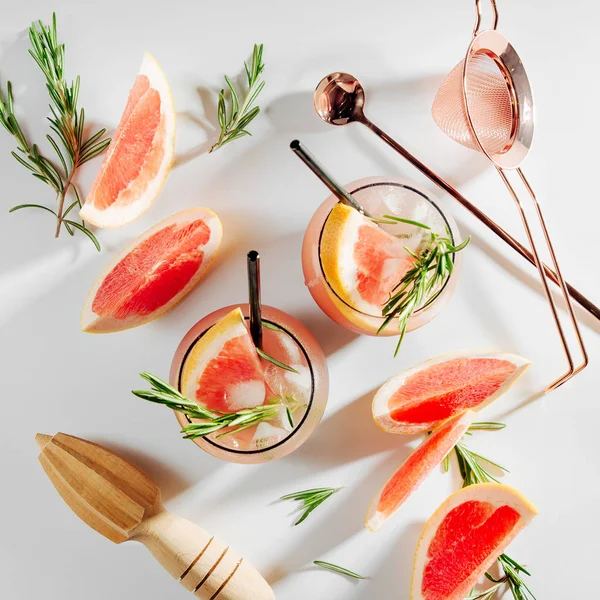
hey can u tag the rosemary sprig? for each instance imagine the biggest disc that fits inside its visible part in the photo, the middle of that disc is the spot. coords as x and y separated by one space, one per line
473 471
424 281
67 123
212 421
310 499
233 122
338 569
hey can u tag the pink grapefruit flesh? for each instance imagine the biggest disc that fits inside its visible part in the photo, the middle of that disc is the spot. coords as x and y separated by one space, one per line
139 156
154 272
361 262
223 371
464 537
416 468
423 397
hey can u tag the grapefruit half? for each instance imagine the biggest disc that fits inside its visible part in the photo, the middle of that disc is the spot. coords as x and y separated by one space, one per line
423 397
139 156
361 262
464 537
223 371
416 468
153 273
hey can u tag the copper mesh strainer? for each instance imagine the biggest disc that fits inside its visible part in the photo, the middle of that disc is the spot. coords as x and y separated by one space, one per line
486 104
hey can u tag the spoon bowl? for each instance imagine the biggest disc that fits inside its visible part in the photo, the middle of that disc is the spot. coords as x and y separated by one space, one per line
339 99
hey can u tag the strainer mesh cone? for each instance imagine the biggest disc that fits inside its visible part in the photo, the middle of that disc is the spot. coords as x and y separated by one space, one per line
489 104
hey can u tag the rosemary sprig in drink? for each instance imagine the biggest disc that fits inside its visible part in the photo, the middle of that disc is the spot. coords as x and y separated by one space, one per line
424 281
67 123
212 421
473 470
233 122
338 569
310 499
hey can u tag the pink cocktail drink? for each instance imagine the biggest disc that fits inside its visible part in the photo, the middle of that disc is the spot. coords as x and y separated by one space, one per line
379 196
303 391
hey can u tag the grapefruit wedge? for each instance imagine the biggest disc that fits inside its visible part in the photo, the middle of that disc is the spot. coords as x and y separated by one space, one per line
223 371
153 273
423 397
139 156
361 261
416 468
464 537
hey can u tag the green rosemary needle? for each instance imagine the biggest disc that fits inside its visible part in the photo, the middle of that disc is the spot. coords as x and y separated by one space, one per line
310 499
233 122
338 569
424 281
473 470
67 124
212 421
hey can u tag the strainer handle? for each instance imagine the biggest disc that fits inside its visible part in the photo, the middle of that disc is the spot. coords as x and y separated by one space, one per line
477 27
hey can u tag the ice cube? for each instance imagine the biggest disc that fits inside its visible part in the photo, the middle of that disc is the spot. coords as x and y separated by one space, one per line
267 435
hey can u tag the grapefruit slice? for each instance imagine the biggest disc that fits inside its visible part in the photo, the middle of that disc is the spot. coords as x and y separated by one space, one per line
223 371
423 397
416 468
464 537
361 262
153 273
139 156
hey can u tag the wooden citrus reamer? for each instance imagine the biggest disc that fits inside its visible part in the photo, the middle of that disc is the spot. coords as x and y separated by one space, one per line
122 503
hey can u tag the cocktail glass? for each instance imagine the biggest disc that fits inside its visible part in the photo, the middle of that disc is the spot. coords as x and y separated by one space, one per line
290 342
379 196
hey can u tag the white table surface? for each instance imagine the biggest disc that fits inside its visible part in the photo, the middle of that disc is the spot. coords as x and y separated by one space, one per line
56 378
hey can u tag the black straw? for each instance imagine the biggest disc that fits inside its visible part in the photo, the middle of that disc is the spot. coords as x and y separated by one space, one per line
317 168
254 298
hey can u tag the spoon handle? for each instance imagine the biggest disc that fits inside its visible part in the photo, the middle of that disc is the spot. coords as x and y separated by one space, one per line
501 233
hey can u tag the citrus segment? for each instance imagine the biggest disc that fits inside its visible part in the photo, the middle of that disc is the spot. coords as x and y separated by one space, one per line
153 273
223 371
139 156
423 397
415 469
361 262
464 537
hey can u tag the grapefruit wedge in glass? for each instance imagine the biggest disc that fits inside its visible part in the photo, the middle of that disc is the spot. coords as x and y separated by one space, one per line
223 371
139 156
153 273
361 261
464 537
416 468
422 398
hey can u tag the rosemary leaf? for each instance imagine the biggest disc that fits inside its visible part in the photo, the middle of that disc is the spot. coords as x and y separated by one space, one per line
310 499
274 361
338 569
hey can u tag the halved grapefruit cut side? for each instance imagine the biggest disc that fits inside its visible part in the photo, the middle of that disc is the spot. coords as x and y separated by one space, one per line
423 397
361 262
464 537
139 156
223 371
416 469
154 272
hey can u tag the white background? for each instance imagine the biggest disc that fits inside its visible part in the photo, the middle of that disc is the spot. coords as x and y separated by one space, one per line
55 378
